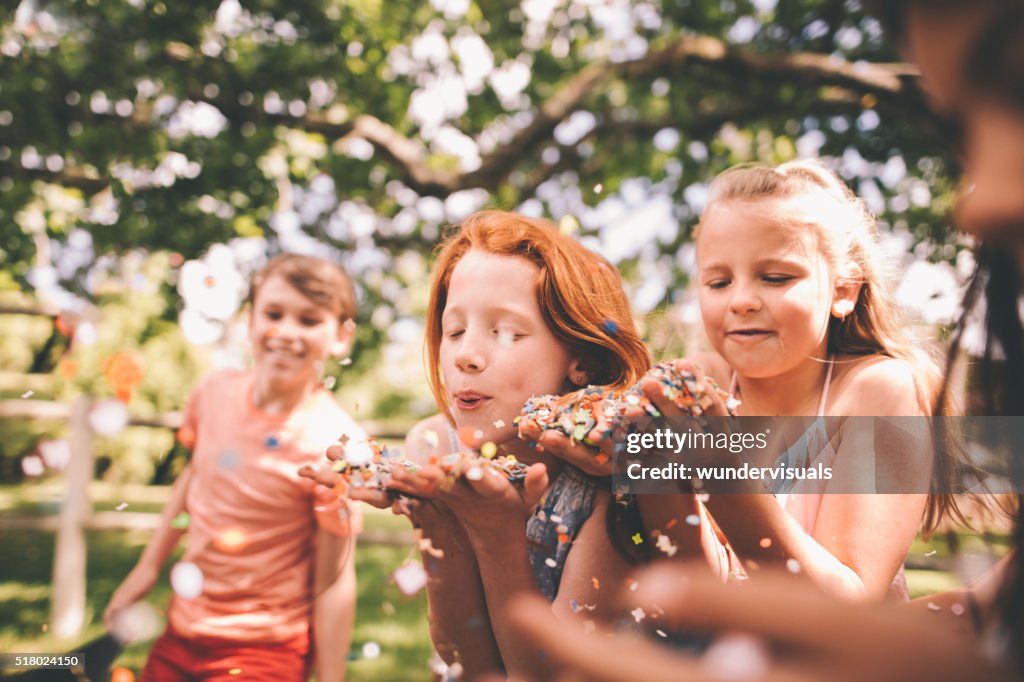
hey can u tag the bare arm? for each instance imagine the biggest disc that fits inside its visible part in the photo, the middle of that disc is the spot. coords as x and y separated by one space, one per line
334 603
143 576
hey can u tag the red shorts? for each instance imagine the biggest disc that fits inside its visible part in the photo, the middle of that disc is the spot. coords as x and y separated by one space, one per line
174 658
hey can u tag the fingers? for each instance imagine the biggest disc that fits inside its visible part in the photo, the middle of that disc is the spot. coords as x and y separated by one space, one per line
322 475
779 607
535 484
375 497
587 458
600 656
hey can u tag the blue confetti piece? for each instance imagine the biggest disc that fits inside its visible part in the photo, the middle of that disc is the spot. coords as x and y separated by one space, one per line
273 442
610 326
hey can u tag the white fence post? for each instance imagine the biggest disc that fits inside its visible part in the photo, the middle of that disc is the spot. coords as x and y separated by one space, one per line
67 602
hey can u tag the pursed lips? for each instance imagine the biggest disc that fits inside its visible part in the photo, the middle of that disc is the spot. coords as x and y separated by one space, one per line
469 400
751 334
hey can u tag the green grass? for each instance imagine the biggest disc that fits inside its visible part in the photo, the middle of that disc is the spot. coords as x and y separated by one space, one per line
396 623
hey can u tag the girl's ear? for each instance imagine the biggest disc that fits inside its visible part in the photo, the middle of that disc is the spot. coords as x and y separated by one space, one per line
343 343
847 289
578 374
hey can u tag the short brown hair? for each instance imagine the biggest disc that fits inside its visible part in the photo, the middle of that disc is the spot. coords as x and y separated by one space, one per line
319 280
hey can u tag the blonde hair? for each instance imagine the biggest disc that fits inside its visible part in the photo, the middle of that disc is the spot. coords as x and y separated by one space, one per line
847 235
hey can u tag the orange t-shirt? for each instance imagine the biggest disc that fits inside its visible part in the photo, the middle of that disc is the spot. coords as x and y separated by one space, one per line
254 520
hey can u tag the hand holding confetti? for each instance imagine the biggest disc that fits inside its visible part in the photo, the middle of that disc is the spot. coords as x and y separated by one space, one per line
584 427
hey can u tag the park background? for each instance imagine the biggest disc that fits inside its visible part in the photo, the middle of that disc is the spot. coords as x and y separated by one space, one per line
153 154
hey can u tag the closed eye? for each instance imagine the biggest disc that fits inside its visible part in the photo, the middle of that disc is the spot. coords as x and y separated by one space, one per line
778 279
718 283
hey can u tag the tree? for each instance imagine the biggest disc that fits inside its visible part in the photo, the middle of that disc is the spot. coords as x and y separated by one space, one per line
363 127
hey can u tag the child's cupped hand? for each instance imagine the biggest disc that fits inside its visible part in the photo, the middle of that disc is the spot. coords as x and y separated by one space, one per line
480 500
330 481
655 392
596 461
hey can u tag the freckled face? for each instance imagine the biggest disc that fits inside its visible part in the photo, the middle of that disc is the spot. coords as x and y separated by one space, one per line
765 289
496 350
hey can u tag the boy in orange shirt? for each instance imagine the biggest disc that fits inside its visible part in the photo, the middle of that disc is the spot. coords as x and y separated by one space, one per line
268 574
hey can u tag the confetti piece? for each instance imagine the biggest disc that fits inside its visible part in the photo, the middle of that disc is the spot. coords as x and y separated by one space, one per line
371 650
638 614
693 520
120 674
792 565
672 523
637 539
32 465
235 671
360 453
957 609
109 417
633 585
661 633
489 450
598 188
597 583
121 507
28 394
932 606
345 362
272 442
227 460
551 563
499 424
736 657
563 538
180 521
931 553
665 544
455 671
186 580
329 382
410 578
765 543
611 327
231 540
474 473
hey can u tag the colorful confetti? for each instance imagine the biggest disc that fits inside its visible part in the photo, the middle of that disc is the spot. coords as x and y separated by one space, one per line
410 578
186 580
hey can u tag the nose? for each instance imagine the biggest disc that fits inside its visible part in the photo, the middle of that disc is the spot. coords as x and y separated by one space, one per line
468 356
745 298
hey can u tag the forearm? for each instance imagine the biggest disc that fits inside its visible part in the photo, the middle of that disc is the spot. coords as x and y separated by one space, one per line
761 531
505 571
460 625
334 601
167 536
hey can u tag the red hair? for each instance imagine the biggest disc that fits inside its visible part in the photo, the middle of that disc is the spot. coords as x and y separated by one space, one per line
580 296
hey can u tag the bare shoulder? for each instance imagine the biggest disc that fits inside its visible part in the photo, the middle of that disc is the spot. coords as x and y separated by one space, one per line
875 385
427 437
714 365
